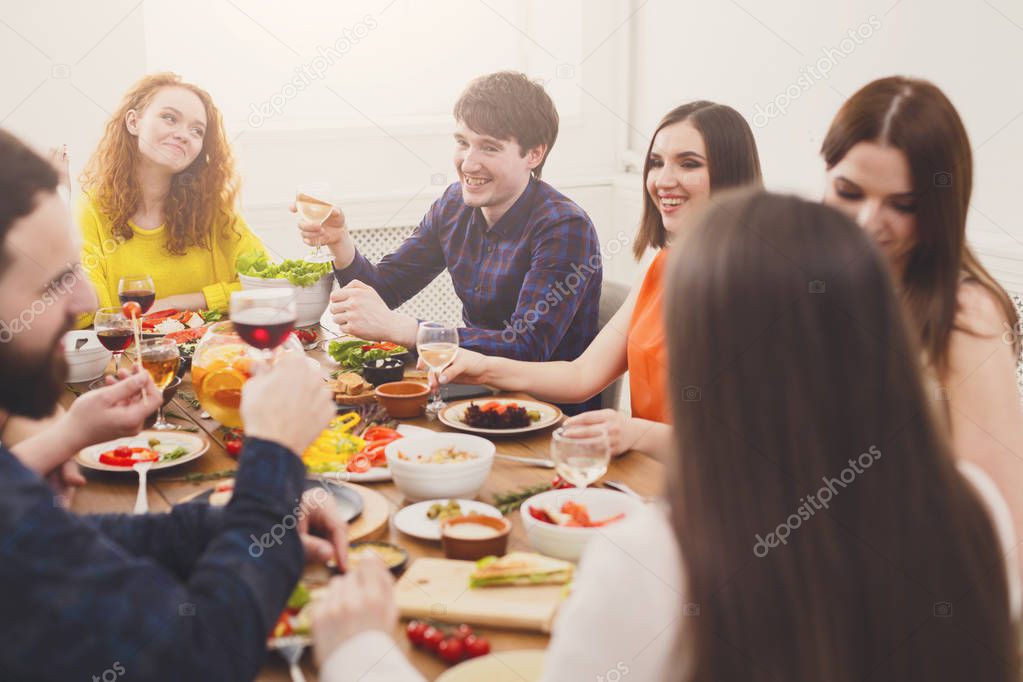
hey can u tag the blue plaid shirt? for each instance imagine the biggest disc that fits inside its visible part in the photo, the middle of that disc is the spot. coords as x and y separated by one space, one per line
186 595
529 284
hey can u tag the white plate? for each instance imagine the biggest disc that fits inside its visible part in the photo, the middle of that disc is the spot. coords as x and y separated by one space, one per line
525 665
196 446
375 474
452 415
412 519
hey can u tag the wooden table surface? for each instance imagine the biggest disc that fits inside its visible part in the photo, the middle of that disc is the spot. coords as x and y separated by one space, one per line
115 492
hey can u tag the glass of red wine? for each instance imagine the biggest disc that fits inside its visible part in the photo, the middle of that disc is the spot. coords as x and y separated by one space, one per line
114 331
264 318
138 288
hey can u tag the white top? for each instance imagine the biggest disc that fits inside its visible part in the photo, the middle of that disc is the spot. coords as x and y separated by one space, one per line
627 605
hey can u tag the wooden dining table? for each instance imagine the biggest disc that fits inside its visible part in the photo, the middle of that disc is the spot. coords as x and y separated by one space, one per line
115 492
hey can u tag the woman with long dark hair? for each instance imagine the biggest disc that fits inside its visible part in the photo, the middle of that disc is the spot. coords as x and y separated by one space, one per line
817 526
899 162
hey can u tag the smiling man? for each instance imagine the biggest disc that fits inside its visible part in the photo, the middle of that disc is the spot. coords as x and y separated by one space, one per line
524 259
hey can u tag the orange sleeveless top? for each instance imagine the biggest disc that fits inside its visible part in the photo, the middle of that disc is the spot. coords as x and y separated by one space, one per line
646 352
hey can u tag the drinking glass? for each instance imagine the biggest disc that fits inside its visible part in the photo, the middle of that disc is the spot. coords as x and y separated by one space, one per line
160 358
264 317
138 288
580 454
437 345
114 331
312 204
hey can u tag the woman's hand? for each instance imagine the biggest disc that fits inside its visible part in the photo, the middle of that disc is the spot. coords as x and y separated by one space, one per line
620 431
468 366
358 602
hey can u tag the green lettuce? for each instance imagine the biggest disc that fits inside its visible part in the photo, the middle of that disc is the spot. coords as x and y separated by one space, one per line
299 272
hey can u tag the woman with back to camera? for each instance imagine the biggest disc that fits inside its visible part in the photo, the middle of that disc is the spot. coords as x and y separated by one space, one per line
698 149
160 199
816 525
899 163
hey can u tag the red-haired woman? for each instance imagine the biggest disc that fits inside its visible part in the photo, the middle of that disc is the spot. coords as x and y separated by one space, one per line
160 198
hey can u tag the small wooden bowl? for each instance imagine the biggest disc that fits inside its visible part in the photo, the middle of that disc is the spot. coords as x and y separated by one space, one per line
403 399
471 549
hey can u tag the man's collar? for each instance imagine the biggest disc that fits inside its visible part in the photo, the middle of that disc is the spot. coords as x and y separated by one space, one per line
515 217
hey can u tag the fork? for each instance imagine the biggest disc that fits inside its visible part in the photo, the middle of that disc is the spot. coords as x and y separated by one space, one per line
622 487
290 649
142 500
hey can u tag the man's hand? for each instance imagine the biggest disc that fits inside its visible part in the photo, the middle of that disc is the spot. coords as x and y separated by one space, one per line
358 310
321 515
331 231
288 403
64 480
355 603
116 410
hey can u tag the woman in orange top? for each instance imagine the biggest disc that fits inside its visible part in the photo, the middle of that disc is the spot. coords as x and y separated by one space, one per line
697 146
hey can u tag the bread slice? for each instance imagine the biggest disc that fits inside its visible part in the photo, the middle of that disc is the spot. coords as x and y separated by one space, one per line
521 568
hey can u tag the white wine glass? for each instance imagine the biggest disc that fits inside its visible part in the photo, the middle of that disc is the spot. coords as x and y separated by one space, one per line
580 454
437 345
313 204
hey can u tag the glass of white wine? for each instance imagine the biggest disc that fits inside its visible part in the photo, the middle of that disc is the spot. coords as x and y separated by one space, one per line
437 345
580 455
313 205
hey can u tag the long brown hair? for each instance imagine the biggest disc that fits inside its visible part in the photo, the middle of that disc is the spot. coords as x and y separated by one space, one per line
915 117
202 195
732 161
782 322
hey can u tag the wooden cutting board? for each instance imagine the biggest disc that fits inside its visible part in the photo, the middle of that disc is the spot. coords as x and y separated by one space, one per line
439 589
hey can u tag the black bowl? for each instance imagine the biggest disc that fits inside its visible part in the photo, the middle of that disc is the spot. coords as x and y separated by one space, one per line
393 369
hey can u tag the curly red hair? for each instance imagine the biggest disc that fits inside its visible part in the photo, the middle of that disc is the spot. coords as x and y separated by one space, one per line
201 196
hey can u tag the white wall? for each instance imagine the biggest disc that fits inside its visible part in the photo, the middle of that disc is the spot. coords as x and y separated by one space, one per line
382 137
748 54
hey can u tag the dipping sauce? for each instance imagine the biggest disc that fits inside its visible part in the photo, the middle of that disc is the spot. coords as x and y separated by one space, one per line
470 531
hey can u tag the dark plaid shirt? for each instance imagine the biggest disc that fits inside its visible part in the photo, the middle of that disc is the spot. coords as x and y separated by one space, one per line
186 595
529 284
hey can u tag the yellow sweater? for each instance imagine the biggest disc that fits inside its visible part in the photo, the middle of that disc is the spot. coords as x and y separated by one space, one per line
211 271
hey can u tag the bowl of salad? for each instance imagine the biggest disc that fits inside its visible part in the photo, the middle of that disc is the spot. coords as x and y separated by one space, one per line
312 282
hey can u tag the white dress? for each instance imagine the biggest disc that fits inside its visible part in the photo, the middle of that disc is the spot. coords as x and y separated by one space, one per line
627 606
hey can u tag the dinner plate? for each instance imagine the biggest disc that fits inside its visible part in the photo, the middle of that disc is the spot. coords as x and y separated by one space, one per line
196 446
524 665
375 474
452 415
349 503
412 520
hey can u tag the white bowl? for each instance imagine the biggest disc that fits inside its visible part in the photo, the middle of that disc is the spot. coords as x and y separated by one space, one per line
89 361
310 301
566 542
423 481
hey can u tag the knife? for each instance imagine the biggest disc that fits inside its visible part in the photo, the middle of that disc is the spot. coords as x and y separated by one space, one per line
533 461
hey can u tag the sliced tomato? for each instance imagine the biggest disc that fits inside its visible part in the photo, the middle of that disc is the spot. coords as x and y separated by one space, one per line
578 512
540 515
376 454
360 464
379 432
118 457
160 315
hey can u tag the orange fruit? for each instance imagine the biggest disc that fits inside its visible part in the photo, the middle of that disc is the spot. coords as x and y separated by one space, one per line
224 387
